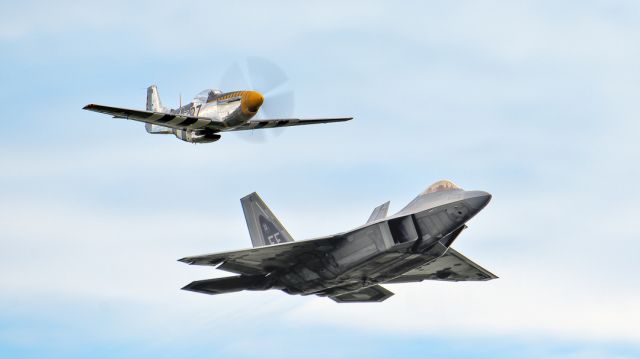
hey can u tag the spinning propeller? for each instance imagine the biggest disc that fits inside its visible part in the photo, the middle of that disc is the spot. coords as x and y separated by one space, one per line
263 76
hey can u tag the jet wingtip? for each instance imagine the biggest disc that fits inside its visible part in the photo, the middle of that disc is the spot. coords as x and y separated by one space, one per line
187 287
249 196
490 276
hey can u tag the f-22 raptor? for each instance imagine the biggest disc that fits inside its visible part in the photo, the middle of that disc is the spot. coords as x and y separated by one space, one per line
410 246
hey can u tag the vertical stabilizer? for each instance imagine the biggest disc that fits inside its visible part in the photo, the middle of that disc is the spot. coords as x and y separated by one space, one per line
154 104
379 212
153 99
264 227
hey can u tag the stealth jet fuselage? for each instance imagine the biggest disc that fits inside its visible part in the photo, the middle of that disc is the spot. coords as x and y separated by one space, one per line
410 246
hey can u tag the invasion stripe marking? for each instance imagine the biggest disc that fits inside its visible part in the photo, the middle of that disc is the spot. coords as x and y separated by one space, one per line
166 118
144 115
155 116
176 120
188 121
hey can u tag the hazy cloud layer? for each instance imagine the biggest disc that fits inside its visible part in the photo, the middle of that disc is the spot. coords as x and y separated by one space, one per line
535 102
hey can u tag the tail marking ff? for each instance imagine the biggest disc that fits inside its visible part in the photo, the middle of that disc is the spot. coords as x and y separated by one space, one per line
264 228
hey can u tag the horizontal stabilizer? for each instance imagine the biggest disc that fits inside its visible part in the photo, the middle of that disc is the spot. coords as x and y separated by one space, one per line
227 284
379 212
157 130
374 293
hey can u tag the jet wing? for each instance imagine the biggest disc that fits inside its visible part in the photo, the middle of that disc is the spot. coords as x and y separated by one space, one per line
265 259
286 122
175 121
374 293
452 266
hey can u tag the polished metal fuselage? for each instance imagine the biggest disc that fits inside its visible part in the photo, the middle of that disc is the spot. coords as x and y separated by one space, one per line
227 110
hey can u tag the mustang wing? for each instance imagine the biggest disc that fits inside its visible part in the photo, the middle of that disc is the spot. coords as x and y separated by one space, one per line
452 266
265 259
374 293
286 122
178 122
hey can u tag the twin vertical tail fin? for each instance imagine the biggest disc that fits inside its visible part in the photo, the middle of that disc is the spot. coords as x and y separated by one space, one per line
379 212
264 228
154 104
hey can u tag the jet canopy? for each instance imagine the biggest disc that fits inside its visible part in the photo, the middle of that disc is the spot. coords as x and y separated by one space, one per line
444 185
205 96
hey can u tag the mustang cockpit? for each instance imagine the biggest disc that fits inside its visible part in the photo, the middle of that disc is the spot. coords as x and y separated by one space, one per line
205 96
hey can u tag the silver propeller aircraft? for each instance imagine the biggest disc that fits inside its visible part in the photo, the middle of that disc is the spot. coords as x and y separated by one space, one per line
203 119
410 246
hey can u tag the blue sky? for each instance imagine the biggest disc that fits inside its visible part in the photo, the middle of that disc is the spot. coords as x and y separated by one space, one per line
535 102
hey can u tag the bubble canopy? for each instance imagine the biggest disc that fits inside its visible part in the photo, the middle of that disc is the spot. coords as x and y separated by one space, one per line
444 185
206 95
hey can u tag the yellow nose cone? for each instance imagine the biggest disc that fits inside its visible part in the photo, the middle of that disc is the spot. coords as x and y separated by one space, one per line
251 102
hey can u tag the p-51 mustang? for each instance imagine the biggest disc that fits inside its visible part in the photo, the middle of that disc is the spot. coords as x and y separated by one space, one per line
410 246
210 113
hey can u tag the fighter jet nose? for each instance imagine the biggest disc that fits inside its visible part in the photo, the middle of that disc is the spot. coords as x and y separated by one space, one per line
477 199
251 102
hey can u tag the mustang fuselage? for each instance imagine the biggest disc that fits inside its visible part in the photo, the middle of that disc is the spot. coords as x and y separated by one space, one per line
226 110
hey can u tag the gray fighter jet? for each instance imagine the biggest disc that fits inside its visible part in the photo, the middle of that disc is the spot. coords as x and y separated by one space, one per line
410 246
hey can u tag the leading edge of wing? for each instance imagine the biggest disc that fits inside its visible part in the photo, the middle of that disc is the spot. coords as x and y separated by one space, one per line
287 122
176 121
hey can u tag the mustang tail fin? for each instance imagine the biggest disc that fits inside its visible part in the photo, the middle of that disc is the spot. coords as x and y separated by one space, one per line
153 99
154 104
264 227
